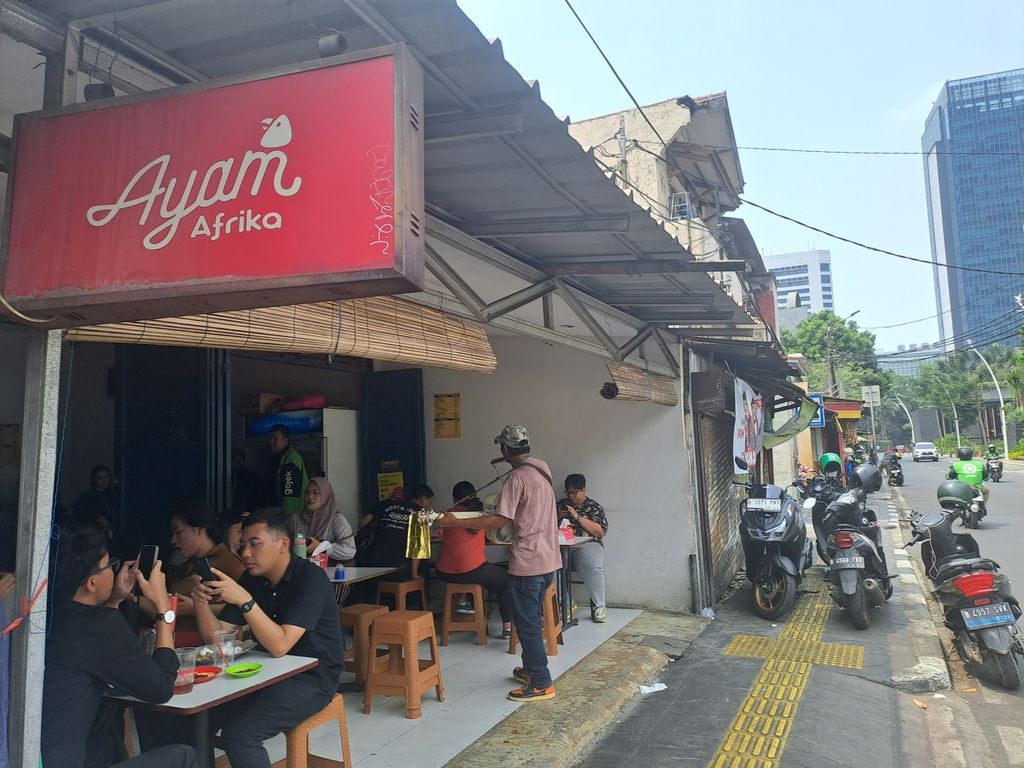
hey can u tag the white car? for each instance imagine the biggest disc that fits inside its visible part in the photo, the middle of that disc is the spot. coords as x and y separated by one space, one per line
925 451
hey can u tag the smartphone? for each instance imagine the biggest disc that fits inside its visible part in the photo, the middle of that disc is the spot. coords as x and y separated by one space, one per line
202 568
148 556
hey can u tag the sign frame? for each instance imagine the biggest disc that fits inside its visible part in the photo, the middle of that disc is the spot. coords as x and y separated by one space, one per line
818 422
68 307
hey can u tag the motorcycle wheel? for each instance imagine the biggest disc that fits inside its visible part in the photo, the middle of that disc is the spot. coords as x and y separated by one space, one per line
900 481
821 553
1007 667
857 607
972 520
775 598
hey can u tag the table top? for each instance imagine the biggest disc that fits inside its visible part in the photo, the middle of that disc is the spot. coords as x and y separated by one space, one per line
356 574
222 688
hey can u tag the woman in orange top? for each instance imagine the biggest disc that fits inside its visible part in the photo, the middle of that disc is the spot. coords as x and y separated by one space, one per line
462 558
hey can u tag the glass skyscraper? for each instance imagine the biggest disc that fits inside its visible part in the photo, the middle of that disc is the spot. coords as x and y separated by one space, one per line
974 179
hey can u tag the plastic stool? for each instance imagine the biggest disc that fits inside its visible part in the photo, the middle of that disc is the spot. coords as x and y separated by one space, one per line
402 672
298 739
452 622
400 591
359 617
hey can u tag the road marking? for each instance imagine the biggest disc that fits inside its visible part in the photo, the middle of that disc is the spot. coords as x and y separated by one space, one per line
758 733
1013 743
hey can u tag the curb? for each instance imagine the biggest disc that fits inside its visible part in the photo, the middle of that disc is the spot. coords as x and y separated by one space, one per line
558 732
931 672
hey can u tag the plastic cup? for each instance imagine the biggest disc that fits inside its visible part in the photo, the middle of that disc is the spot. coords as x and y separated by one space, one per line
224 647
186 678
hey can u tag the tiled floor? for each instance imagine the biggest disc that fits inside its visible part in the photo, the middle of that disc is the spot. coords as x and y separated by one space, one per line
476 679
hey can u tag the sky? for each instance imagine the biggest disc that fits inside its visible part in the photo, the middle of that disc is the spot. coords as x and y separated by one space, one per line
853 76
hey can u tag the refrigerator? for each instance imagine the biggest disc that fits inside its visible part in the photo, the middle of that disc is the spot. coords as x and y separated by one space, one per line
328 441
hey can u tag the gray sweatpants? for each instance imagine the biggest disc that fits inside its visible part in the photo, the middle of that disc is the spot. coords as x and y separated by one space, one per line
588 562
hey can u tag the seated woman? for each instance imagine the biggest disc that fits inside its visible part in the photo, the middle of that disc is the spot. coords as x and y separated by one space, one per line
462 558
588 519
322 521
231 525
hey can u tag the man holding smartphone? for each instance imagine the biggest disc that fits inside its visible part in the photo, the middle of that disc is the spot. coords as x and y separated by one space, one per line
90 647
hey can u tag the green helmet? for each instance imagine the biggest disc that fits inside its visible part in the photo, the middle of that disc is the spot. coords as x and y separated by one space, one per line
955 493
830 462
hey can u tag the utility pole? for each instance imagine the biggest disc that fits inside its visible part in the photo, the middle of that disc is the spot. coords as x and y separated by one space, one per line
956 418
833 388
1002 405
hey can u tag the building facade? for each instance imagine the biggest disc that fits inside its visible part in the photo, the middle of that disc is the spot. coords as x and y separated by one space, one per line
807 274
973 146
907 360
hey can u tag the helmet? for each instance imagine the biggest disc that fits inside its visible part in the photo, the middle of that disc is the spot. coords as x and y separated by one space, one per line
867 477
955 493
830 462
991 446
964 453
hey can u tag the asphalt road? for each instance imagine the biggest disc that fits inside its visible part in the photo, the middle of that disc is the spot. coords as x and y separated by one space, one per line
1001 535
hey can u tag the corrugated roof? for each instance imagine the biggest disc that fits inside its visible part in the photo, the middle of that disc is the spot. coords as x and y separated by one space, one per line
537 172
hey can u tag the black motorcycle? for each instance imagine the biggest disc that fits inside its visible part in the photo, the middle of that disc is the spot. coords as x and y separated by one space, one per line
895 474
973 514
995 469
858 572
977 602
775 546
818 493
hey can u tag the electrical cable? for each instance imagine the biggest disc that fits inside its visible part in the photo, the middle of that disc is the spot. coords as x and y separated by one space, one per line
857 152
937 315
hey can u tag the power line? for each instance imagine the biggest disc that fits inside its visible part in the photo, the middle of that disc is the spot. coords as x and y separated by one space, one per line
858 152
939 314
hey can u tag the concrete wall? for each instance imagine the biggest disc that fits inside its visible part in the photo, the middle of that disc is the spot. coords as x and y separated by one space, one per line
632 454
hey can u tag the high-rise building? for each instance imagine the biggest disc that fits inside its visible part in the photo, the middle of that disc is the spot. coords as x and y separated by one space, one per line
973 143
808 274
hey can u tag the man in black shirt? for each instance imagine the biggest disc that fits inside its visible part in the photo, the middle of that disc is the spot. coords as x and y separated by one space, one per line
90 646
289 605
392 534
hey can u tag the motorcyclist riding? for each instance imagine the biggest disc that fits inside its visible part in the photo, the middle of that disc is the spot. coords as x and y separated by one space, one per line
970 470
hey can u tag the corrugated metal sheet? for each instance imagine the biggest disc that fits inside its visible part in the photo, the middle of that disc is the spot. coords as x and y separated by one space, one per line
722 500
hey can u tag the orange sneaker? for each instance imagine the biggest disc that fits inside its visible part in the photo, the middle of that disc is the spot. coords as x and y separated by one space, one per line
529 693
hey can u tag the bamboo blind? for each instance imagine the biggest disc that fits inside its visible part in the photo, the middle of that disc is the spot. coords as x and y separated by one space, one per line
379 327
629 383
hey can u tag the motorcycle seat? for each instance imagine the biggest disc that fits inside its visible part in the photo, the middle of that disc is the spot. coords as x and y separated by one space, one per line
960 565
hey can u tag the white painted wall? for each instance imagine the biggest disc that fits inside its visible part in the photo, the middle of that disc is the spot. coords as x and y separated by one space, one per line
632 454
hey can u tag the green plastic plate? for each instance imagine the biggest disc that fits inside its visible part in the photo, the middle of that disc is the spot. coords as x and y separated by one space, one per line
243 670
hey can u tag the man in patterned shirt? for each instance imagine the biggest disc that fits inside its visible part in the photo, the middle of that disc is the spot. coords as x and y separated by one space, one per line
588 519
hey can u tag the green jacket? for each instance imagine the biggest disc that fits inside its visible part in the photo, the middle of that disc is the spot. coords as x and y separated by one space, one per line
972 472
291 482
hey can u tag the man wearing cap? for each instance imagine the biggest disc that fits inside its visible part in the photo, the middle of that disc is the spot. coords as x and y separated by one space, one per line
528 500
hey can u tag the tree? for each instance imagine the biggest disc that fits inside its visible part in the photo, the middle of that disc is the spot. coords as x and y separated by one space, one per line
849 344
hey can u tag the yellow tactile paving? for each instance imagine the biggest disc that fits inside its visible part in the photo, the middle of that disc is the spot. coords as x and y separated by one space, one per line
758 733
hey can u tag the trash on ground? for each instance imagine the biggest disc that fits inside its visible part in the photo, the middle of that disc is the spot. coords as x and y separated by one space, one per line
708 613
653 688
920 704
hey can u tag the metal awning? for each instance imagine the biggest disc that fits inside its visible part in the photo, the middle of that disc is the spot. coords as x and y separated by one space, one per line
558 251
758 363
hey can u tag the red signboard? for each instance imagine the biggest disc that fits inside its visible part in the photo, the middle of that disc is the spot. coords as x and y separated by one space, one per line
295 186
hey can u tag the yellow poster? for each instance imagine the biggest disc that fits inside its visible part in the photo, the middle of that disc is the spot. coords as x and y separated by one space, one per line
387 482
448 415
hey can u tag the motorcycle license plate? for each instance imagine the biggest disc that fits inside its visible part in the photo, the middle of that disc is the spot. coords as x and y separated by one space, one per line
982 616
765 505
840 562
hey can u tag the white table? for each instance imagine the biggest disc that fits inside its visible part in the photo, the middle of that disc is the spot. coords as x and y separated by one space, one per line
355 574
205 696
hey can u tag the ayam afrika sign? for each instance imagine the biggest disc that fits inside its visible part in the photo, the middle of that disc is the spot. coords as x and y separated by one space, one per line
289 186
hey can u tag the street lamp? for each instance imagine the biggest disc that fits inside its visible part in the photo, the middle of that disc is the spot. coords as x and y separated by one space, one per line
956 418
913 434
999 391
833 389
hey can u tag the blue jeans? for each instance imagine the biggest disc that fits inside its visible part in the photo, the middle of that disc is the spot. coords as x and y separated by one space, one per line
527 611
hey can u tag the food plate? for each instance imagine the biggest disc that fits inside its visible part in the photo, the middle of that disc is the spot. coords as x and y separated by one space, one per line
243 670
205 674
244 646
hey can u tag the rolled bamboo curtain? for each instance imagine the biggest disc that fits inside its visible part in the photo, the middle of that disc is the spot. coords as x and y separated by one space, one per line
629 383
379 327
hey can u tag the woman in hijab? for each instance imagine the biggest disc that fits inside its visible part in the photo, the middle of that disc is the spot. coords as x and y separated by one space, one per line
323 521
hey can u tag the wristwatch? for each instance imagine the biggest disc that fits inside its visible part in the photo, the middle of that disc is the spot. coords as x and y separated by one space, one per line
246 607
167 617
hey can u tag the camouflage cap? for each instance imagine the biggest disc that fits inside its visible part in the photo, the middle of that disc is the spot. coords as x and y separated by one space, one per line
513 436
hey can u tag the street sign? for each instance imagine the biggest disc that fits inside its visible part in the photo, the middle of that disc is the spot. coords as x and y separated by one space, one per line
819 418
872 396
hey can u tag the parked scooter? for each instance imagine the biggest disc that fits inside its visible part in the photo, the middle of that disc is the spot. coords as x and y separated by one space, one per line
822 490
977 600
858 573
775 546
995 469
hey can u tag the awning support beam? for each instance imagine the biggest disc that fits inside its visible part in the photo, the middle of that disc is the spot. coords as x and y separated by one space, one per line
518 299
451 280
591 322
545 226
666 351
636 342
504 120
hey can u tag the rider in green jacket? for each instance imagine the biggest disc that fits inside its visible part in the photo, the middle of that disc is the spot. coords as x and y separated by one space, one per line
970 470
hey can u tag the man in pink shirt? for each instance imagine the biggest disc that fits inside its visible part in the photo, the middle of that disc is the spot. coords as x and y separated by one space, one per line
528 500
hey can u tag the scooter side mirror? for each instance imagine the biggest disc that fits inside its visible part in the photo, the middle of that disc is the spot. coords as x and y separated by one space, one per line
809 502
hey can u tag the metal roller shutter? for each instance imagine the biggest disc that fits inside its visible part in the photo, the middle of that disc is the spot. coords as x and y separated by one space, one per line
723 502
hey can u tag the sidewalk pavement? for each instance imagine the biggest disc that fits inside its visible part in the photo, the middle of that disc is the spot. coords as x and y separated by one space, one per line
809 691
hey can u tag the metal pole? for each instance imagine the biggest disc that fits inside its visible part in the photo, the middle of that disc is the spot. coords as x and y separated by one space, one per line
874 437
831 361
1002 405
913 434
956 418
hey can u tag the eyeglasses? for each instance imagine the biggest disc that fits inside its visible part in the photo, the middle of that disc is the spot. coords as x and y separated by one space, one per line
114 564
569 492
